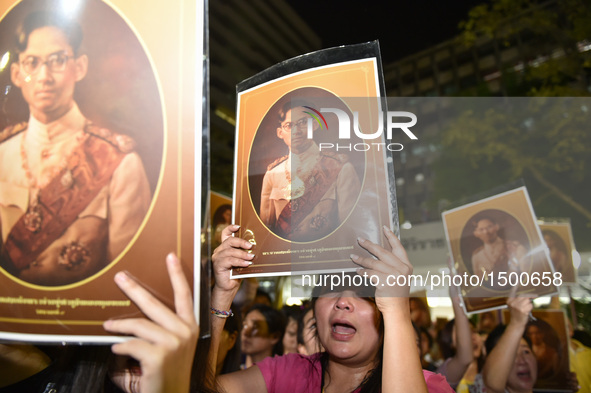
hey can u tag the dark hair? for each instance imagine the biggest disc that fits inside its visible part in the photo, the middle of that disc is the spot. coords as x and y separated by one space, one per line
445 340
275 323
558 242
495 335
446 348
292 312
429 337
301 324
73 368
233 357
39 19
479 217
372 383
289 105
263 293
550 335
218 216
582 336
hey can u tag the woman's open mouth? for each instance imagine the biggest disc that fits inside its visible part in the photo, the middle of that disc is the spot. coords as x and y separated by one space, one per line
343 330
524 375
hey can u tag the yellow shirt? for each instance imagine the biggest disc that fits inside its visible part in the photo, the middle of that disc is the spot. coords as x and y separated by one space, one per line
580 363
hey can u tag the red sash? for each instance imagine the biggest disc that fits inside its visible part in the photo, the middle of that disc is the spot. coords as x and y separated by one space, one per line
324 174
91 166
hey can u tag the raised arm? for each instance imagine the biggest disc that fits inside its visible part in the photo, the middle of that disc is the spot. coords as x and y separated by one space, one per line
233 252
402 370
501 359
459 363
165 344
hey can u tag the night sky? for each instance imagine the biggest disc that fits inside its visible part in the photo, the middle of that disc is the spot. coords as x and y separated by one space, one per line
402 27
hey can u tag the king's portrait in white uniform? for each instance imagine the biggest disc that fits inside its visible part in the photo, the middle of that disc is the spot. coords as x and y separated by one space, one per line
72 194
306 194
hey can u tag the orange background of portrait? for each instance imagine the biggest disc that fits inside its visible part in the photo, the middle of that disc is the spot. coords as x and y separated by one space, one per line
563 229
349 79
515 203
169 225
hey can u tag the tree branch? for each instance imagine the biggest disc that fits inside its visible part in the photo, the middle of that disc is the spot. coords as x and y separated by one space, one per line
558 192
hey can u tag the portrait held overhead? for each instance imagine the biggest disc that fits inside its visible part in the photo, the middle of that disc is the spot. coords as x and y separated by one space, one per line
73 194
298 197
496 245
307 193
295 196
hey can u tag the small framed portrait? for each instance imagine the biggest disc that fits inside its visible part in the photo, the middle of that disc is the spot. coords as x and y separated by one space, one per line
496 245
561 246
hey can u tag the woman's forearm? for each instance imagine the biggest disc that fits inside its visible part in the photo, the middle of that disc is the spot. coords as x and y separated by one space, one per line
458 365
402 371
501 359
220 300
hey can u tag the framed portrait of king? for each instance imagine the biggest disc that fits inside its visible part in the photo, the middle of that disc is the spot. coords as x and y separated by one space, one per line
547 332
496 245
558 237
97 159
306 186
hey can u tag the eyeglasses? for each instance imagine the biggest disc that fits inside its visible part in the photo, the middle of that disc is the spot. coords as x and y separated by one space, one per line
301 124
55 63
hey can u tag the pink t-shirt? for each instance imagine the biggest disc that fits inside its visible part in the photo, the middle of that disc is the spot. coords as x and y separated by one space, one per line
294 373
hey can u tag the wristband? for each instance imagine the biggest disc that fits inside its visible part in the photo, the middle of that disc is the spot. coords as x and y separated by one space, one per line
220 313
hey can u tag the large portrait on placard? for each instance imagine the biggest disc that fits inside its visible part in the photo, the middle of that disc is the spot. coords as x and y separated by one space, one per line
307 182
97 160
82 140
496 245
300 192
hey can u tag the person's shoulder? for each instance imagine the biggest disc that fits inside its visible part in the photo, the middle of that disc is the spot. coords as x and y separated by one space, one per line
124 143
276 162
12 130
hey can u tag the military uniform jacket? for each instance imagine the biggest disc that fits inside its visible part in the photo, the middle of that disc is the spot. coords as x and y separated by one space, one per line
285 195
34 158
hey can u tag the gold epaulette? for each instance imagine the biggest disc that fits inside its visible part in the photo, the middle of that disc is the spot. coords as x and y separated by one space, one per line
125 144
12 130
277 162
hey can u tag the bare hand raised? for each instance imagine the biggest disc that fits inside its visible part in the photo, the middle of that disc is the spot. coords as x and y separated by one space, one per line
164 345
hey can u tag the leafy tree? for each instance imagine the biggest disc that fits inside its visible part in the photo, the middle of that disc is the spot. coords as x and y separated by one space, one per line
546 142
551 35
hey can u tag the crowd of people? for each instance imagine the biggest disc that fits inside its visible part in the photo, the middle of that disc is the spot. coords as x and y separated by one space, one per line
338 341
